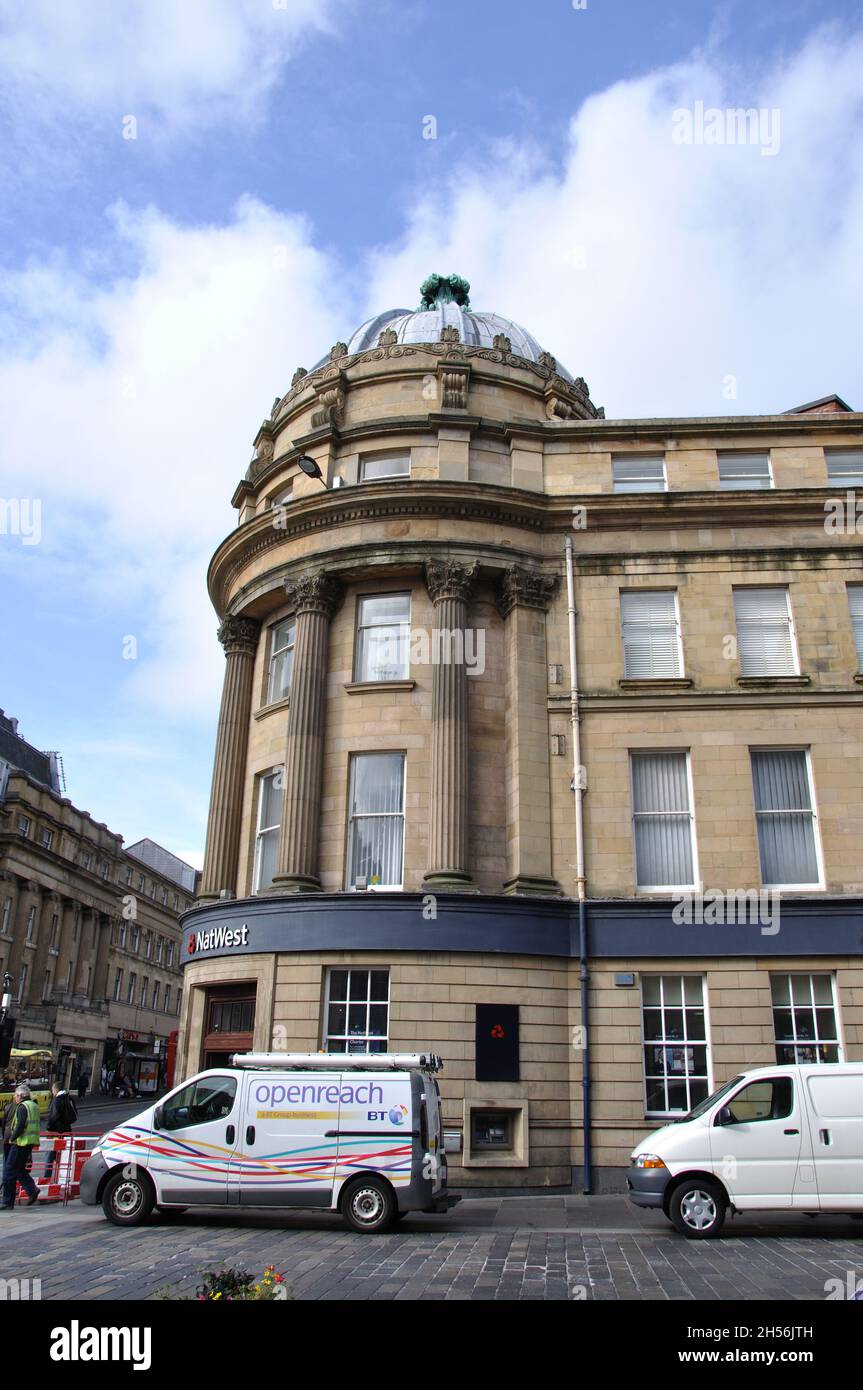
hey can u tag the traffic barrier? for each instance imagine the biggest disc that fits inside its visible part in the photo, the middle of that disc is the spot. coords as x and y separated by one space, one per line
71 1152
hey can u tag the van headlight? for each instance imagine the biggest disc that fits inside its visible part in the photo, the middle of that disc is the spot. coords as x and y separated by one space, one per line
646 1161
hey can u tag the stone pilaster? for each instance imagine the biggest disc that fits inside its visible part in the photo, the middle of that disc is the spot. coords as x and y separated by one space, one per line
69 945
239 637
449 584
314 597
523 599
20 954
103 953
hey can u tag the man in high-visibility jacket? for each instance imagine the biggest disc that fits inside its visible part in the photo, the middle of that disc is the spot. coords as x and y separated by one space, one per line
22 1139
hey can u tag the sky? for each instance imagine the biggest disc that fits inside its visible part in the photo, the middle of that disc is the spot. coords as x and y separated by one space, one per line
198 196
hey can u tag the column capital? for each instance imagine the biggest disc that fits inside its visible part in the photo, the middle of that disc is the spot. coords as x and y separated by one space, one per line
315 591
239 634
450 579
525 588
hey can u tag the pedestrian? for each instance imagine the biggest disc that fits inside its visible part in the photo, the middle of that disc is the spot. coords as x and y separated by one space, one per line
83 1081
62 1115
23 1138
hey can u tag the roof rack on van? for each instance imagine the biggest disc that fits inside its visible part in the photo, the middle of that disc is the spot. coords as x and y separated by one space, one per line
340 1061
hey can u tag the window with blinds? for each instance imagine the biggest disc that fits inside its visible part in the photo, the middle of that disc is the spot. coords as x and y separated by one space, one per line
844 466
376 830
282 642
383 638
651 634
662 820
855 605
638 474
765 633
785 816
744 471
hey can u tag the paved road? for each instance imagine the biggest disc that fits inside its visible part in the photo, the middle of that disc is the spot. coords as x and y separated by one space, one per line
548 1247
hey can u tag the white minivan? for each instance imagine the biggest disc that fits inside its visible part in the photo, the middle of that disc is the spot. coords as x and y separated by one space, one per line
358 1134
783 1138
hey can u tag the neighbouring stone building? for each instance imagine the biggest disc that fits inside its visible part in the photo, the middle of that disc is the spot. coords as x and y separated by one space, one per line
89 929
392 844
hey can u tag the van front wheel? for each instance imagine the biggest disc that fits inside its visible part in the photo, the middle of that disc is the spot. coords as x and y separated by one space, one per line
369 1205
128 1198
697 1209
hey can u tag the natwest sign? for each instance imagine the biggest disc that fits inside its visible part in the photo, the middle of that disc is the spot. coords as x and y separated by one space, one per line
217 939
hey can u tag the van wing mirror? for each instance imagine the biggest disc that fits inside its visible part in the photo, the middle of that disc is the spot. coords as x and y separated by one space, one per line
725 1116
159 1117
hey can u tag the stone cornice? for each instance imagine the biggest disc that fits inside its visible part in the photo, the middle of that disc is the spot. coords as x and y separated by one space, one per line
531 512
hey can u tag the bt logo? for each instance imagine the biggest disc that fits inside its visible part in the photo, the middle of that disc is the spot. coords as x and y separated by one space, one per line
396 1116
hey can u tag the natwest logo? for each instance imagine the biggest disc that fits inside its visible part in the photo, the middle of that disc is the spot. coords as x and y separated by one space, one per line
217 939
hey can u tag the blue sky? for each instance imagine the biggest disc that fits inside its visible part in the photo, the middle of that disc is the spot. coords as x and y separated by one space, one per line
157 292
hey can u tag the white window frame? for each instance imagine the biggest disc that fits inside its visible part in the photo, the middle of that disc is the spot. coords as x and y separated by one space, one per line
262 830
132 985
665 888
623 485
288 646
679 674
22 982
327 1036
404 638
837 1015
854 477
350 876
118 985
792 630
403 456
652 1042
730 456
816 823
855 610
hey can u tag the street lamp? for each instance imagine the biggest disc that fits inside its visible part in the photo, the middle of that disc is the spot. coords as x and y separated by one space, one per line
311 469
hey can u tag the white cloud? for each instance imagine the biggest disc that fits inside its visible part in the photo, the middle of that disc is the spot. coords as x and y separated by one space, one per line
174 63
148 392
656 270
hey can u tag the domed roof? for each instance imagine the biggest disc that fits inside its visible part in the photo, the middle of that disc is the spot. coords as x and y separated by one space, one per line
446 304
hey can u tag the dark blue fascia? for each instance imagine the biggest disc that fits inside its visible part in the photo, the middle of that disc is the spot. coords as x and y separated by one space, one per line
618 929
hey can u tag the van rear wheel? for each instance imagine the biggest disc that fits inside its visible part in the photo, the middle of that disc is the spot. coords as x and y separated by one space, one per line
697 1208
369 1205
127 1199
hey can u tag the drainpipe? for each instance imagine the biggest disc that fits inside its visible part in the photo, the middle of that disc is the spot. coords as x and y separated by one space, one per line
579 789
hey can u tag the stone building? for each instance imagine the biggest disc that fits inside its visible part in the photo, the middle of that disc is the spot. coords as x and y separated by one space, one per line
406 750
89 930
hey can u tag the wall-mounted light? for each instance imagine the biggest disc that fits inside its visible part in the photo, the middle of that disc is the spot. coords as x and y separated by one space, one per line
310 468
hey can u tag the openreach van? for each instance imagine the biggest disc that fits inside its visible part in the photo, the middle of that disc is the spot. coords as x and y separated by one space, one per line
358 1134
780 1138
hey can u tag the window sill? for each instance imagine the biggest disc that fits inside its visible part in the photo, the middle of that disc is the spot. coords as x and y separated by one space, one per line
772 682
264 710
361 687
655 683
859 678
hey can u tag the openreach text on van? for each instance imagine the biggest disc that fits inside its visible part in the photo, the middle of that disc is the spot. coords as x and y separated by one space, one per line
77 1343
368 1094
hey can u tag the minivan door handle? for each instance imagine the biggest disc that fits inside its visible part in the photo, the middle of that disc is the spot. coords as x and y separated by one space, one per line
229 1134
250 1134
824 1136
792 1131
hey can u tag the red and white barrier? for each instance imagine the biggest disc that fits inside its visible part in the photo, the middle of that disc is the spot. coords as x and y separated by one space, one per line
71 1152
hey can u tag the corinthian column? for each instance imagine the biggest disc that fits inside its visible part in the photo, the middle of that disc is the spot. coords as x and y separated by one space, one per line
523 599
239 637
449 585
314 597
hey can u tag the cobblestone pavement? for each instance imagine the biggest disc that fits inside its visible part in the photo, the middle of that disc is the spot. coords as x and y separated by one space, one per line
526 1247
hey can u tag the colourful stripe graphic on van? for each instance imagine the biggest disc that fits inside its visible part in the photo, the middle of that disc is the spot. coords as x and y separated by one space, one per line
160 1153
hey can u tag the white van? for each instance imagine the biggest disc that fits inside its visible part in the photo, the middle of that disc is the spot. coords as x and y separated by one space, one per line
358 1134
783 1138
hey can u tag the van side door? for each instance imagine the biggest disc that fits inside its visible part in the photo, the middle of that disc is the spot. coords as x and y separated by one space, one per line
191 1148
836 1117
379 1128
288 1140
756 1140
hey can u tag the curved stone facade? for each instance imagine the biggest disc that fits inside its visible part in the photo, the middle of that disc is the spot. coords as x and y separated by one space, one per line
453 473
